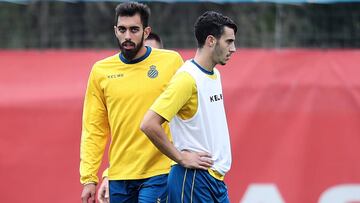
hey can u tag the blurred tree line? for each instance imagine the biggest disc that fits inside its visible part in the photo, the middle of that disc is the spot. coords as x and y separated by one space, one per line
56 24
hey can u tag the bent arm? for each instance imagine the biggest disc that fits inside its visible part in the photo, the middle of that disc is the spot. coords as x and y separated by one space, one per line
151 126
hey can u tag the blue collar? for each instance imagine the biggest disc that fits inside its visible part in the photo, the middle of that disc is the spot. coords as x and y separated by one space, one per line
202 69
124 60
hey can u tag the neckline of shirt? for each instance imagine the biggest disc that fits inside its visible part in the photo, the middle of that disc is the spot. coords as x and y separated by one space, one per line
202 69
147 53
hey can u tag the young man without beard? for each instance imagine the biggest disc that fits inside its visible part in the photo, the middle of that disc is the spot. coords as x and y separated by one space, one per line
120 90
193 103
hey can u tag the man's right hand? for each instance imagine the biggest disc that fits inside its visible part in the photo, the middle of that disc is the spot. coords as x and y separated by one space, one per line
88 193
196 160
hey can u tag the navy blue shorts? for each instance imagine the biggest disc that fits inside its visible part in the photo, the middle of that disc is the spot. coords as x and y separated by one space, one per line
195 186
149 190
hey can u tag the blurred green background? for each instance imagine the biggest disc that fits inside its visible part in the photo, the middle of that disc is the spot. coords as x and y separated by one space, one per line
89 24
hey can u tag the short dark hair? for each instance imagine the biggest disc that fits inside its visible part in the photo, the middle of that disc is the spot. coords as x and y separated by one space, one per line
131 9
155 37
211 23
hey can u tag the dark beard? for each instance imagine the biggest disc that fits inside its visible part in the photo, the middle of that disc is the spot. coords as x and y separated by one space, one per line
130 54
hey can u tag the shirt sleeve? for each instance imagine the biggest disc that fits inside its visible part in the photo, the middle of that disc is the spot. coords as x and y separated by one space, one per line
95 130
175 96
179 61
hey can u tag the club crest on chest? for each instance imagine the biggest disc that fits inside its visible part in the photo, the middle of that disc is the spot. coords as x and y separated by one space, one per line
153 73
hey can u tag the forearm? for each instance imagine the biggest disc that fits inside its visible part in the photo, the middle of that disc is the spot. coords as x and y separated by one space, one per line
91 153
152 128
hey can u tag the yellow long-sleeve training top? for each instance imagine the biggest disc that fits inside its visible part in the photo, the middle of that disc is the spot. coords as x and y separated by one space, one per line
118 95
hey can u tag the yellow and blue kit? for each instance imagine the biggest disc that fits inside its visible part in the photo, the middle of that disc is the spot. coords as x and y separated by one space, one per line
181 99
118 94
193 103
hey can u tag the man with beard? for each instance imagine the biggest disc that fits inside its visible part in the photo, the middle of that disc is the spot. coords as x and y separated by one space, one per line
120 90
153 40
193 102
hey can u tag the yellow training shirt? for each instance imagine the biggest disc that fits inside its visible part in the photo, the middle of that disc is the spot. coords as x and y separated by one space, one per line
118 95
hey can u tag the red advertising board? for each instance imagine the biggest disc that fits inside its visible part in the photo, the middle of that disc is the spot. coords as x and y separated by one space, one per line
293 115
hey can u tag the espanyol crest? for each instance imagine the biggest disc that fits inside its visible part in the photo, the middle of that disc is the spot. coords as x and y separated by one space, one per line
152 73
